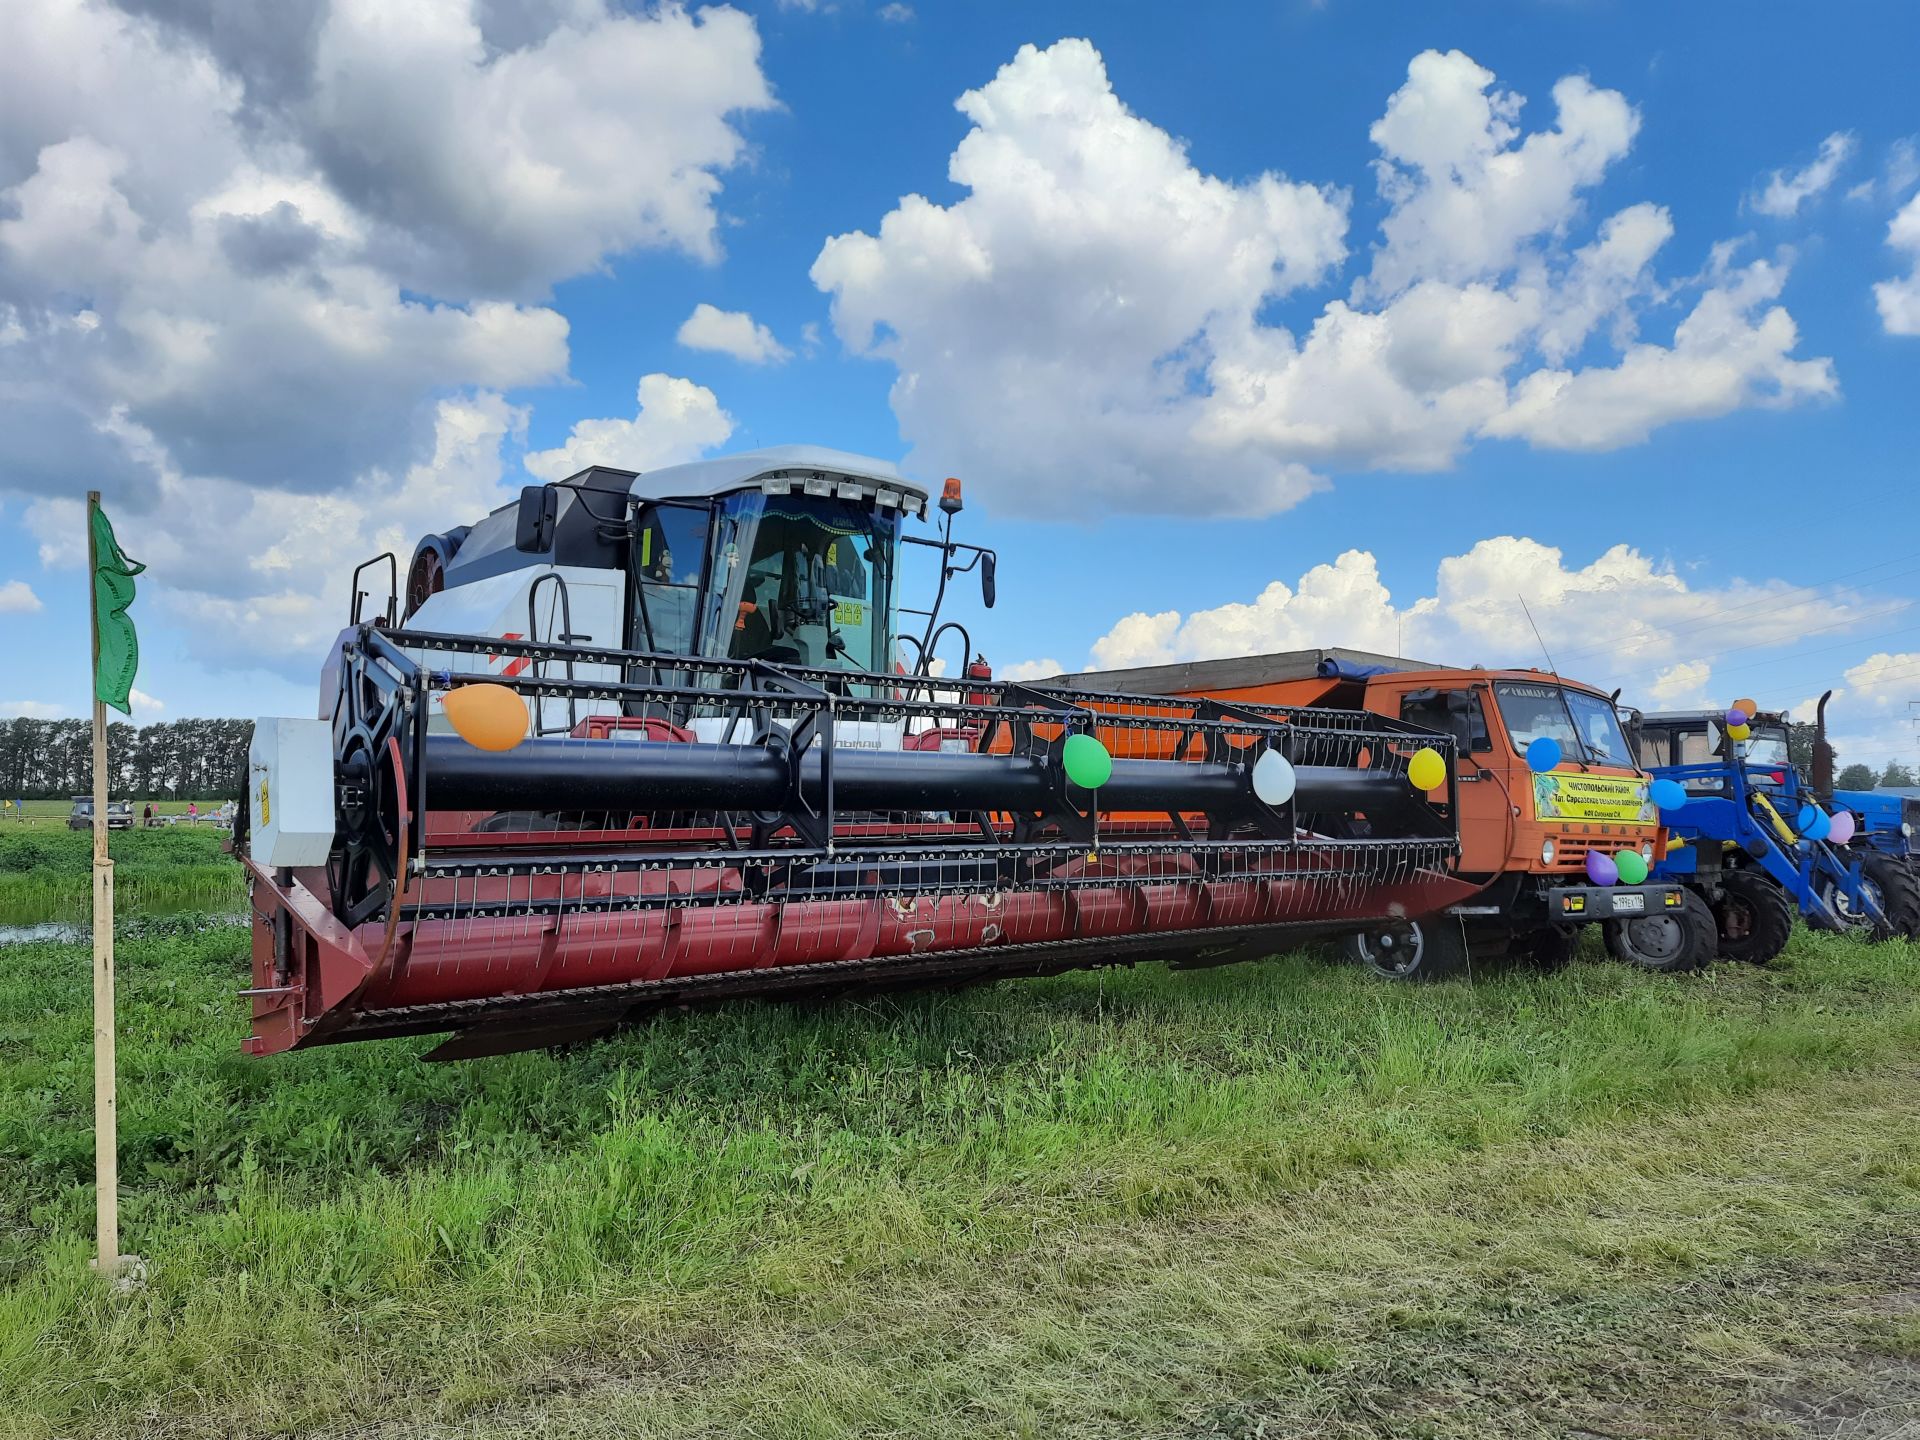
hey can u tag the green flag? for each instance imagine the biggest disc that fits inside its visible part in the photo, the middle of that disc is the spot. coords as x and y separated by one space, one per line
113 576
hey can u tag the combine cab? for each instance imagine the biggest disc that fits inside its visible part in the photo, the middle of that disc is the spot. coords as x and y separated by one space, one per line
626 751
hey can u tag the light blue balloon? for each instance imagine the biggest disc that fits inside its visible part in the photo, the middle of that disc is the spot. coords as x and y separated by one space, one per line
1543 754
1668 794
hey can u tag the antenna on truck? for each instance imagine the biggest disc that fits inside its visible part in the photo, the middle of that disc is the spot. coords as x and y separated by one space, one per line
1573 726
1552 669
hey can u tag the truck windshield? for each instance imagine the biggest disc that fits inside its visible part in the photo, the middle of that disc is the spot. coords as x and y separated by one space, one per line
803 579
1584 726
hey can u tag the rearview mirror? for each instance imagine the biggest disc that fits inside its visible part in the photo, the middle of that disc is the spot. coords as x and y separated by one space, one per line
986 577
539 512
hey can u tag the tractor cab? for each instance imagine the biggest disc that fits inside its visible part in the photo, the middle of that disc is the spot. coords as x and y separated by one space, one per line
1699 737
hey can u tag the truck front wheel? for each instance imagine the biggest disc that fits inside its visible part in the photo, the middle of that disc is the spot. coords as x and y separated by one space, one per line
1755 917
1674 940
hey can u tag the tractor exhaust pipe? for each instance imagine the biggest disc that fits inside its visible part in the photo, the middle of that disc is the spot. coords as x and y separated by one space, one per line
1822 777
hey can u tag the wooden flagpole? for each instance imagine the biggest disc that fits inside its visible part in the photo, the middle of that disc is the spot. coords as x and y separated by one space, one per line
106 1112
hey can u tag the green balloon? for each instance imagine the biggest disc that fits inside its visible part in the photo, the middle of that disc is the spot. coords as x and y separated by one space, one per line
1087 762
1632 867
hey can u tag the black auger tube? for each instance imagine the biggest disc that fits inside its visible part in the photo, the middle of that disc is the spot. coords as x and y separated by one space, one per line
664 777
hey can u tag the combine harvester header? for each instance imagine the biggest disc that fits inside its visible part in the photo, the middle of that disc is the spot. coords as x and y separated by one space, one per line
630 751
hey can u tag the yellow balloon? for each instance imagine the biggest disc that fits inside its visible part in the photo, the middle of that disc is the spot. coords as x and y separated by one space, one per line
487 717
1739 732
1426 770
1746 708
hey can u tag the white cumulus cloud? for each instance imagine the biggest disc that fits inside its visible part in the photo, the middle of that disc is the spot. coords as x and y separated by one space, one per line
1098 316
1681 686
731 332
1786 192
1886 678
677 421
17 598
264 283
1623 617
1899 300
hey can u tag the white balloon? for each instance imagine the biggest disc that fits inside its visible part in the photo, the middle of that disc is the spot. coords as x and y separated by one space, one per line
1273 778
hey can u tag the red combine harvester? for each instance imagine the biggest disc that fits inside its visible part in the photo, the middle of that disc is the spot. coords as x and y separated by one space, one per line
626 750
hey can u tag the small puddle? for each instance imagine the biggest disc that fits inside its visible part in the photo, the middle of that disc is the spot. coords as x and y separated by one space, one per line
62 930
76 932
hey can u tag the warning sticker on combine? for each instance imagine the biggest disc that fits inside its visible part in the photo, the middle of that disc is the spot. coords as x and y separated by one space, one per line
1559 796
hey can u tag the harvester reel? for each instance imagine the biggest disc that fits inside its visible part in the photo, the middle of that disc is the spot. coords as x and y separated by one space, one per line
369 726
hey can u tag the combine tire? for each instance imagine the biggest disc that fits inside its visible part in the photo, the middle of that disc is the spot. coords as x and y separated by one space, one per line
1431 949
1899 895
1684 938
1755 917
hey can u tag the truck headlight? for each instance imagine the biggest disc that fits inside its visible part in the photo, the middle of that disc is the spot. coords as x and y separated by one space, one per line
1906 829
1646 851
1546 851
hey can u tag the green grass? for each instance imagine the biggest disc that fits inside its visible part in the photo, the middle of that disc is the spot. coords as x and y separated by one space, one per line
349 1235
47 873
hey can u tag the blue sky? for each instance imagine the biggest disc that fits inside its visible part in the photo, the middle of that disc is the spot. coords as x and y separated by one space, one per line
1132 401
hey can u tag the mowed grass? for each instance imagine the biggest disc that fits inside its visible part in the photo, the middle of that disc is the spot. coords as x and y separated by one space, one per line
349 1236
46 871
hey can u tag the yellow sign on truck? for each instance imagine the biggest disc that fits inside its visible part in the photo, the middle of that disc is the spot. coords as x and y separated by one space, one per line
1567 796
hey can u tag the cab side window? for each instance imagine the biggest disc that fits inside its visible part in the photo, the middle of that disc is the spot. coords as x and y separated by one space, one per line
1454 712
669 559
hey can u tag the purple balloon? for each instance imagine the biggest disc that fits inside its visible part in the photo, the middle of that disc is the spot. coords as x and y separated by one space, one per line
1840 829
1736 717
1600 868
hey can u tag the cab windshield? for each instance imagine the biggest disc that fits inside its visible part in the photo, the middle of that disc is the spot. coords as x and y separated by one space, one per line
1584 726
1768 748
803 580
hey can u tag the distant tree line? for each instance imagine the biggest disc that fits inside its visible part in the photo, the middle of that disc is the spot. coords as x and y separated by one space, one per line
173 760
1861 777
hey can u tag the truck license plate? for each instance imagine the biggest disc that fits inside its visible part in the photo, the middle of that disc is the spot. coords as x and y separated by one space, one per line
1624 903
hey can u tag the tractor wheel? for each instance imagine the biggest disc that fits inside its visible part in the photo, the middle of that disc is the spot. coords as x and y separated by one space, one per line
1899 894
1548 948
1755 917
1671 941
1875 875
1431 949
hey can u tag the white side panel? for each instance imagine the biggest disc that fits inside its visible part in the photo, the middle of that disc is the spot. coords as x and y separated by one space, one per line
291 770
497 606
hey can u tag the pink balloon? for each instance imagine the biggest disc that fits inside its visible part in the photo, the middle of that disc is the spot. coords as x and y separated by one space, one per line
1842 828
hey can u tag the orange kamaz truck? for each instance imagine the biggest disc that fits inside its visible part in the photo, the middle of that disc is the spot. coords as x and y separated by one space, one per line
1523 884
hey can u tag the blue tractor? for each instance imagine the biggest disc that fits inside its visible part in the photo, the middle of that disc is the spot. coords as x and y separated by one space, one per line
1884 830
1736 836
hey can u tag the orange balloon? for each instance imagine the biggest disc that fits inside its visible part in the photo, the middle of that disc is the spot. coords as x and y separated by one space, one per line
1748 707
487 717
